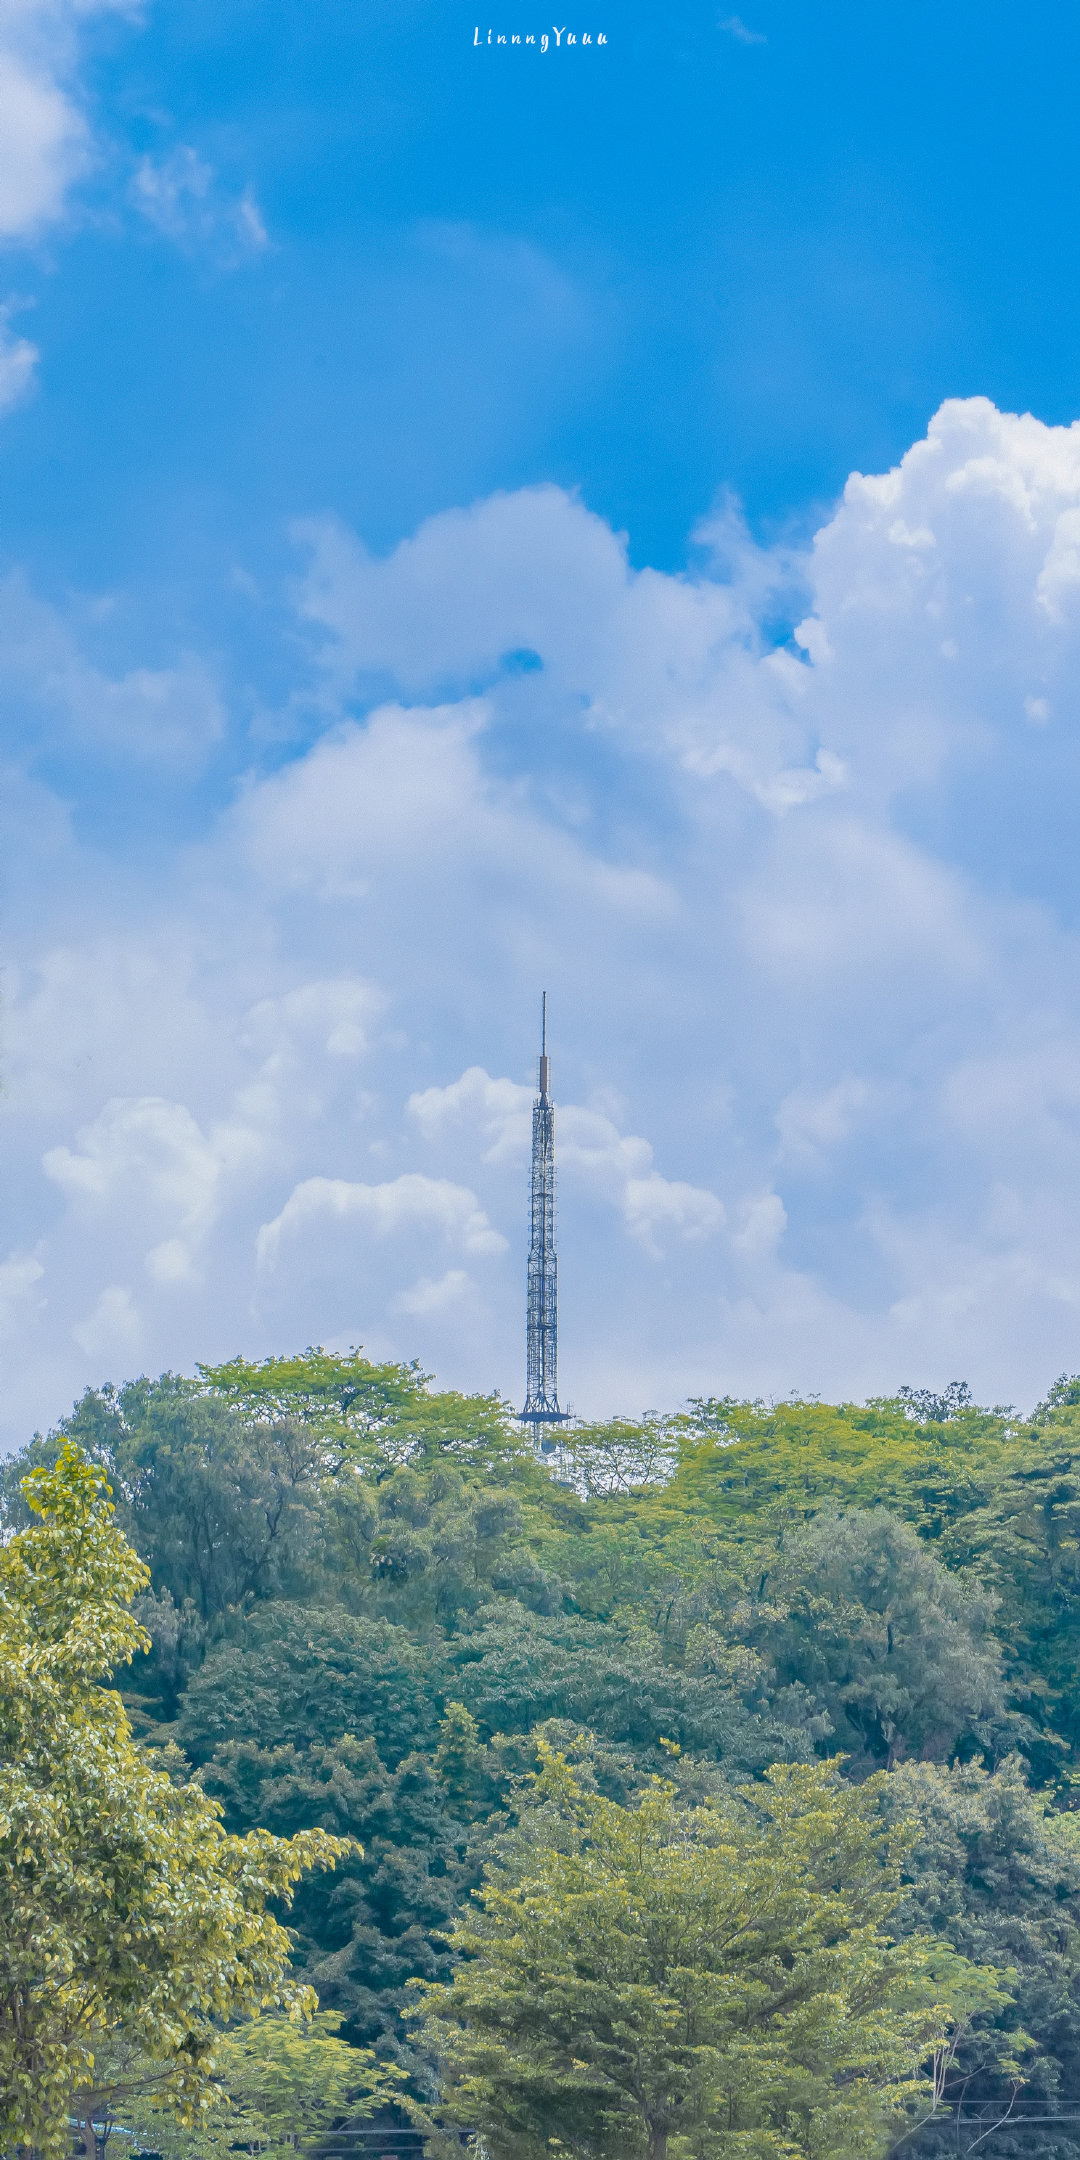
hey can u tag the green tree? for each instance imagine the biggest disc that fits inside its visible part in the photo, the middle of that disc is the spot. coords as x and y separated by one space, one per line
309 1673
376 1416
126 1910
620 1455
381 1920
718 1980
222 1509
1024 1541
749 1465
515 1670
858 1612
993 1871
280 2082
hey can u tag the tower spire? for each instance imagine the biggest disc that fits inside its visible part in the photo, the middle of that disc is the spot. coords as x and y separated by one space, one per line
542 1314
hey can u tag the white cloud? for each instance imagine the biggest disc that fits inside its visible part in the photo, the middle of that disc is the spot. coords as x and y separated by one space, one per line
98 1006
591 1152
144 1164
653 1204
20 1274
18 359
426 1297
619 1165
307 1043
736 28
183 197
406 1203
155 1143
113 1329
762 1225
172 1262
807 917
500 1109
170 716
311 828
336 1016
661 661
45 140
43 147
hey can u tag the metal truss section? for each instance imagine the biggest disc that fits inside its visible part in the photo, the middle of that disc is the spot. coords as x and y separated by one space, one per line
542 1305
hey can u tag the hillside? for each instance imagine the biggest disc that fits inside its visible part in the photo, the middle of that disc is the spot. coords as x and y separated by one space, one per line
370 1600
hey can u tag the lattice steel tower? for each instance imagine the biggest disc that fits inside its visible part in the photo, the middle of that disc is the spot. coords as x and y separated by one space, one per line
542 1320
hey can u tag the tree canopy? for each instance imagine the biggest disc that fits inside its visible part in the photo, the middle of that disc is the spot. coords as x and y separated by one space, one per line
370 1606
722 1976
125 1907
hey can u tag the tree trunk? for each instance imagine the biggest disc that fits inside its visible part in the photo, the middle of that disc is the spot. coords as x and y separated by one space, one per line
84 2132
658 2144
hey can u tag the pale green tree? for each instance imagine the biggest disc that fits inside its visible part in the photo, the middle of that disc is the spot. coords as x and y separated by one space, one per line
280 2081
127 1914
651 1981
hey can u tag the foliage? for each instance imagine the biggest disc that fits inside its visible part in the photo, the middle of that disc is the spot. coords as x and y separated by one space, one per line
377 1416
310 1673
381 1921
618 1456
748 1465
125 1907
371 1601
1024 1541
929 1408
515 1670
281 2081
856 1611
441 1545
996 1874
722 1977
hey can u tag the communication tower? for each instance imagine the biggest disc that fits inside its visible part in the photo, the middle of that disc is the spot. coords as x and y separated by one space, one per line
542 1314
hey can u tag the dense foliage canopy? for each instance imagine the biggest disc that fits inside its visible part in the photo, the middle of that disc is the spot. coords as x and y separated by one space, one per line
126 1910
370 1606
723 1974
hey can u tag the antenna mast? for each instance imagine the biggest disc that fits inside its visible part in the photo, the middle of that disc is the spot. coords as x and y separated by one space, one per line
542 1314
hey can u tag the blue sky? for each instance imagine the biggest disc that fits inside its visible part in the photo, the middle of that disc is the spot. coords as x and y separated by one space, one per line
411 457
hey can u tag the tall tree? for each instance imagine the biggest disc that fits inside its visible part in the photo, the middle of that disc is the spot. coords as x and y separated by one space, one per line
375 1416
994 1871
899 1652
723 1976
126 1910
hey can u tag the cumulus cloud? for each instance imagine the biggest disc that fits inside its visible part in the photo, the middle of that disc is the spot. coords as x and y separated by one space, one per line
620 1166
426 1297
113 1329
931 606
45 142
534 578
654 1204
144 1165
409 1202
789 840
591 1152
310 828
58 698
20 1274
155 1143
500 1110
338 1016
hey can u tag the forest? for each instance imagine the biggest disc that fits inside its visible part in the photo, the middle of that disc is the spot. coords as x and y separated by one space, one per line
705 1785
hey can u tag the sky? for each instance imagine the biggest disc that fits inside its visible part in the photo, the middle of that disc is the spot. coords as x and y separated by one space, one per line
485 518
